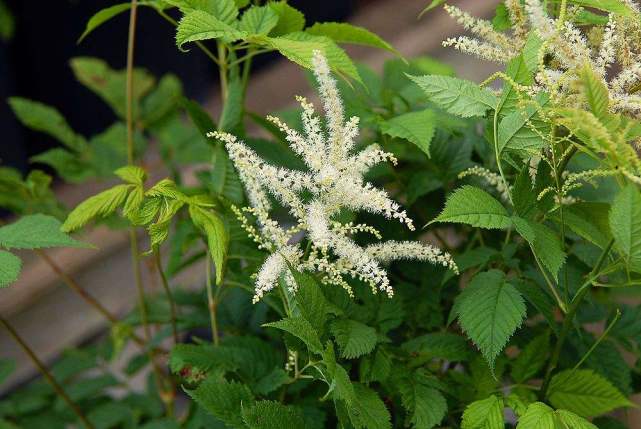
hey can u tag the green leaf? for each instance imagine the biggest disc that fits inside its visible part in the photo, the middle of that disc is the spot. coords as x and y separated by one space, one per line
354 338
475 207
99 205
440 345
625 224
132 174
159 105
201 119
217 236
290 20
538 416
501 20
545 243
368 411
342 32
490 312
425 405
531 359
457 96
312 304
588 220
595 92
224 400
415 127
201 358
515 132
232 114
614 6
484 414
36 232
7 29
198 25
101 17
7 366
272 415
10 266
572 421
300 328
433 4
110 84
585 393
46 119
224 179
258 20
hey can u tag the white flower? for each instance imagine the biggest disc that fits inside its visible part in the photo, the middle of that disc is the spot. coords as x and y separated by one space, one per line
334 181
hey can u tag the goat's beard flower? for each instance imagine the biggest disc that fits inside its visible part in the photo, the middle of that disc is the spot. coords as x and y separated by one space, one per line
569 49
334 181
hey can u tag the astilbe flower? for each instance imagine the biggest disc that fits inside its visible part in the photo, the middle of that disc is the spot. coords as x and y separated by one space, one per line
619 44
333 181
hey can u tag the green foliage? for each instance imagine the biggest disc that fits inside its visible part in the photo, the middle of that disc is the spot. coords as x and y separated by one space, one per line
354 338
484 414
10 266
225 400
415 127
272 415
475 207
625 224
457 96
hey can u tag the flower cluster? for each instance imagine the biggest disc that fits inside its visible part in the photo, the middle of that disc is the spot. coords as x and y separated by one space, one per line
333 182
617 46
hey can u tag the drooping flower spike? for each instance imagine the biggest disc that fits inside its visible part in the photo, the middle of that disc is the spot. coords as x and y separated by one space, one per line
334 179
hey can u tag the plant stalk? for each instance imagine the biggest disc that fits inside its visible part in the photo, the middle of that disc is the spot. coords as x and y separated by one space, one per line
211 302
170 297
43 370
569 320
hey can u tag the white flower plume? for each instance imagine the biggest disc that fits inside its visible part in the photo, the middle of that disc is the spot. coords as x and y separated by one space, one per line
333 181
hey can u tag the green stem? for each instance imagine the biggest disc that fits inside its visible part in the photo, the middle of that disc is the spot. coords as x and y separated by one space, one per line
549 283
211 302
569 319
605 333
222 71
497 154
43 370
170 298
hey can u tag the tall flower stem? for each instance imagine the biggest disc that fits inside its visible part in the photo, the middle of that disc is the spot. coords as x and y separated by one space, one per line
568 321
170 298
211 301
43 369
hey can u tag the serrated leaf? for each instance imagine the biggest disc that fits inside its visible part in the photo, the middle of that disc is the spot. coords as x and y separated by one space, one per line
301 329
217 236
368 410
272 415
354 338
625 224
46 119
545 243
491 310
199 25
441 345
425 405
224 400
36 232
588 220
132 174
614 6
258 20
585 393
10 266
531 359
290 20
484 414
475 207
201 358
457 96
516 133
342 32
415 127
312 304
538 416
572 421
99 205
595 92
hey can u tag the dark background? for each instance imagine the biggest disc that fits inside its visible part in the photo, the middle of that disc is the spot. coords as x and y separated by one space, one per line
34 63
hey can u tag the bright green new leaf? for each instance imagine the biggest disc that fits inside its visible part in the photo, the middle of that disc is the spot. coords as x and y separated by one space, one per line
46 119
625 224
595 92
484 414
36 232
258 20
354 338
538 416
302 329
290 20
99 205
217 236
272 415
585 393
490 311
132 174
572 421
10 266
475 207
457 96
103 16
224 400
415 127
198 25
342 32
